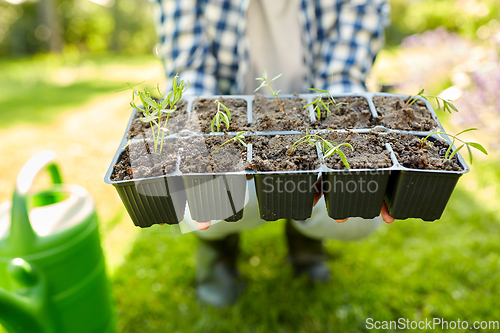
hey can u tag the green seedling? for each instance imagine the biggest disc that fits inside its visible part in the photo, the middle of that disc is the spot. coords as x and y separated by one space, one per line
328 147
150 110
447 105
153 110
239 137
319 101
449 154
220 117
267 83
128 143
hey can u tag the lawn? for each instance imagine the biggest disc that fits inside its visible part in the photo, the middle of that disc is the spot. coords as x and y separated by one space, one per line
36 90
410 269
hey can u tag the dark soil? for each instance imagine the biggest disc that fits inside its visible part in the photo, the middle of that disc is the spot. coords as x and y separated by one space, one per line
271 154
139 160
205 109
200 155
369 151
268 117
431 157
393 114
176 122
356 114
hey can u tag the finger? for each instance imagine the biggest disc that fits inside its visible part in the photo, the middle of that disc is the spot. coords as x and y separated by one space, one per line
317 196
385 214
318 192
342 221
203 225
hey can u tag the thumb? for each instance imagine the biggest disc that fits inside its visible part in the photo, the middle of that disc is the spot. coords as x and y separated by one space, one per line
203 225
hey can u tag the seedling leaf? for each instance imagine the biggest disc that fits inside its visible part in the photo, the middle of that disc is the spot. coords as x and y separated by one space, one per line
154 110
167 111
159 92
344 160
319 90
149 118
213 122
329 148
319 101
227 111
456 151
466 130
225 119
238 137
220 116
128 143
470 154
276 77
266 82
455 137
478 147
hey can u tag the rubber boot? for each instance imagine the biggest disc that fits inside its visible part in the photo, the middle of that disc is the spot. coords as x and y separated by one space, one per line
217 277
306 255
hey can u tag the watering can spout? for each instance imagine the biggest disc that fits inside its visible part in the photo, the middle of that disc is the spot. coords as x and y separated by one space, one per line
23 310
21 234
15 315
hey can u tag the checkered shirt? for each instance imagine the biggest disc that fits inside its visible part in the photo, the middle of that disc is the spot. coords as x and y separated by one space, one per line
204 41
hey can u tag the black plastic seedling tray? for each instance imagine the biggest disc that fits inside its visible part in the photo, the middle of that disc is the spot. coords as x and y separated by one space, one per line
362 202
216 196
355 192
154 200
284 194
284 203
421 193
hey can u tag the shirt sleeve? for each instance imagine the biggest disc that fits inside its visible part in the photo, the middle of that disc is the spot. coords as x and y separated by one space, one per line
184 45
349 46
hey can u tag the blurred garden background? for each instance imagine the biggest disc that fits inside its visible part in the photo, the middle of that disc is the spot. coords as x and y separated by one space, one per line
63 67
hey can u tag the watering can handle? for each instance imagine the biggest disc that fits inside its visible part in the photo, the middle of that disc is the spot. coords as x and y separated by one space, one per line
38 163
21 232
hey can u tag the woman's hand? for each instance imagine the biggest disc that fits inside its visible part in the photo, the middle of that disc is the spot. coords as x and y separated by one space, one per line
203 225
385 214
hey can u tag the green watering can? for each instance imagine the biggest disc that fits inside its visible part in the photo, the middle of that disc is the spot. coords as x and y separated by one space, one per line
52 270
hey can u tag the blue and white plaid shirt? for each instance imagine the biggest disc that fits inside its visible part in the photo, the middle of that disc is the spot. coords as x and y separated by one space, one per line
204 41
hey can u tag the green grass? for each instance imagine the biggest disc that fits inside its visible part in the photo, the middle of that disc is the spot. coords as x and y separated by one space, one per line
37 90
411 269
